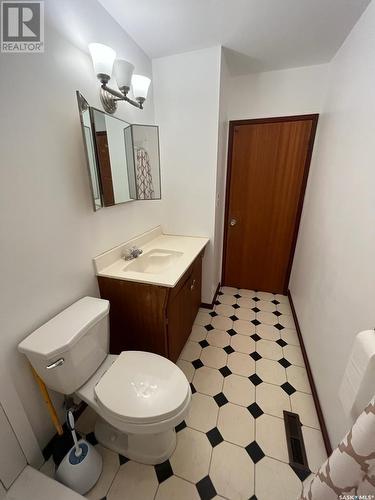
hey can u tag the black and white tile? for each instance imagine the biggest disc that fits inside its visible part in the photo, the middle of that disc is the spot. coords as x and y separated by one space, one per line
245 365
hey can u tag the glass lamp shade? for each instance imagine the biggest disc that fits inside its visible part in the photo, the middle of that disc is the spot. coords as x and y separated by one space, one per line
102 58
123 73
140 86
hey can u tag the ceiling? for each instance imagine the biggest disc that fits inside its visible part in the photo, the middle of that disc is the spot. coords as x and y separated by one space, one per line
259 34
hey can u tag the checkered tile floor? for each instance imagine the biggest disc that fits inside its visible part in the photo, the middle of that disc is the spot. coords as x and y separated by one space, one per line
245 367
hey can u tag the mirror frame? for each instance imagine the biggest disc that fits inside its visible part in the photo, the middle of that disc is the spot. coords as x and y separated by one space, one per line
134 158
83 105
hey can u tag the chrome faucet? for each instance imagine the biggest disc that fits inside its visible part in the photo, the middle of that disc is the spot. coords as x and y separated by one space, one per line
132 253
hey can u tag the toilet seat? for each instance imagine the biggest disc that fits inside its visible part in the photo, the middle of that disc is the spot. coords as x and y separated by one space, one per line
142 388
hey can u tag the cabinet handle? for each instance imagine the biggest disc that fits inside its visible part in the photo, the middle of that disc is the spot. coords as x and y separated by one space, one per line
192 286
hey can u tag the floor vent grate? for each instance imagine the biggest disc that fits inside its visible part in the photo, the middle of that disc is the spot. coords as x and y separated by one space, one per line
296 445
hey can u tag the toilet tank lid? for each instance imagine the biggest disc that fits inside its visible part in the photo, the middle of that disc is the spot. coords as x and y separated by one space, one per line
61 332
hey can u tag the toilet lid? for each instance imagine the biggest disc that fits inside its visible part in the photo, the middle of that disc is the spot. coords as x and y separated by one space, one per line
142 387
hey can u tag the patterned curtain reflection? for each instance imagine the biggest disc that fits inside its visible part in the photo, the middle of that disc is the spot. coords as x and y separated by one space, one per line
145 187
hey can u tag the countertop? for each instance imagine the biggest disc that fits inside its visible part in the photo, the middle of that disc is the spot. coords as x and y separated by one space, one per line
111 264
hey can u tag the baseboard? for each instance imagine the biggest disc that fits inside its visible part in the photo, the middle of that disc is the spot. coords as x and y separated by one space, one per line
322 423
211 306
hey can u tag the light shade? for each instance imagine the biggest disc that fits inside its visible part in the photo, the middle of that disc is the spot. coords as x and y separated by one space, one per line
102 58
140 86
123 73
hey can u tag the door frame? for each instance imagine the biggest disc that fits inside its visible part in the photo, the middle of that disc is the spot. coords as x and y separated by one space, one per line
234 123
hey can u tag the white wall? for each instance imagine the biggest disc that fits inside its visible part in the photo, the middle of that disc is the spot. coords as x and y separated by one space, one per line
221 171
117 154
48 230
195 96
187 110
333 278
293 91
19 445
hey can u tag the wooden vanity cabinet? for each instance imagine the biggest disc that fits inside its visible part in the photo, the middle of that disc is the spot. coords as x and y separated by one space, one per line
182 308
153 318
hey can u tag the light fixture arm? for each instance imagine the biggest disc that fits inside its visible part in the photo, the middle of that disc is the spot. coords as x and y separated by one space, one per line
122 96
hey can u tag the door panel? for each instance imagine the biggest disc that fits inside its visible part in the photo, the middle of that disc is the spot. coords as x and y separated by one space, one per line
179 321
196 288
182 310
104 161
268 172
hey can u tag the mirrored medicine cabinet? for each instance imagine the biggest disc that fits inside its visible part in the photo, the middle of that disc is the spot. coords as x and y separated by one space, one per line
123 159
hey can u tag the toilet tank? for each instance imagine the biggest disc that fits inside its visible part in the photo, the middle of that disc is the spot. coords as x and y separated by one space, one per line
69 348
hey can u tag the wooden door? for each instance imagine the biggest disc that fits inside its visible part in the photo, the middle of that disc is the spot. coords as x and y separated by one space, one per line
104 162
268 163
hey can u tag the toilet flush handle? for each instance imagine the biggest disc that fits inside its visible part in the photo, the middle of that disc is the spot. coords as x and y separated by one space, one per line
57 363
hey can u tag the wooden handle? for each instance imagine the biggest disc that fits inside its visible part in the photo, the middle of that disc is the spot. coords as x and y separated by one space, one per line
47 400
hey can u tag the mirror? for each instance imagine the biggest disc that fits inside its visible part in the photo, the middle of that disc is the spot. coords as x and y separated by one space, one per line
109 139
143 141
89 149
123 159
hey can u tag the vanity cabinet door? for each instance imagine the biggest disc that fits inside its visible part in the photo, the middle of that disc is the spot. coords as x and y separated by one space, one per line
137 316
179 320
183 308
196 288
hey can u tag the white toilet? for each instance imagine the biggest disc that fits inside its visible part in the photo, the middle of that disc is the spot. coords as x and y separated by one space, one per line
139 397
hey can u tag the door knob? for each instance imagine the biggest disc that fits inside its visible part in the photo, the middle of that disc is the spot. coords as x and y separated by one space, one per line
233 222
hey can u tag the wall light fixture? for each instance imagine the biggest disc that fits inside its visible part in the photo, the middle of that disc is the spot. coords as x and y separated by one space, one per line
105 62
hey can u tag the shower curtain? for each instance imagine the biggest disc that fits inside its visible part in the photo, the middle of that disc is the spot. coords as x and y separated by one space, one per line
145 187
349 473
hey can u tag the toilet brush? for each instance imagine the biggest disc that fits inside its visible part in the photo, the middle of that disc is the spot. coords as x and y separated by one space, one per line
82 465
71 426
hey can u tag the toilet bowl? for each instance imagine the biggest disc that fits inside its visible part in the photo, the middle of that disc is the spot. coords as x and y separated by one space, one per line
138 396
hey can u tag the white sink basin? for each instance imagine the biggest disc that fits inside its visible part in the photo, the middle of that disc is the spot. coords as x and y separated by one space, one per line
153 262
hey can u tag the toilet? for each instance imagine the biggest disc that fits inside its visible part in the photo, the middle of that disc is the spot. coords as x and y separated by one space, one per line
139 397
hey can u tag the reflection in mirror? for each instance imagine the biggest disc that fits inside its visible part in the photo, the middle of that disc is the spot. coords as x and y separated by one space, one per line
109 134
146 160
123 159
84 111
